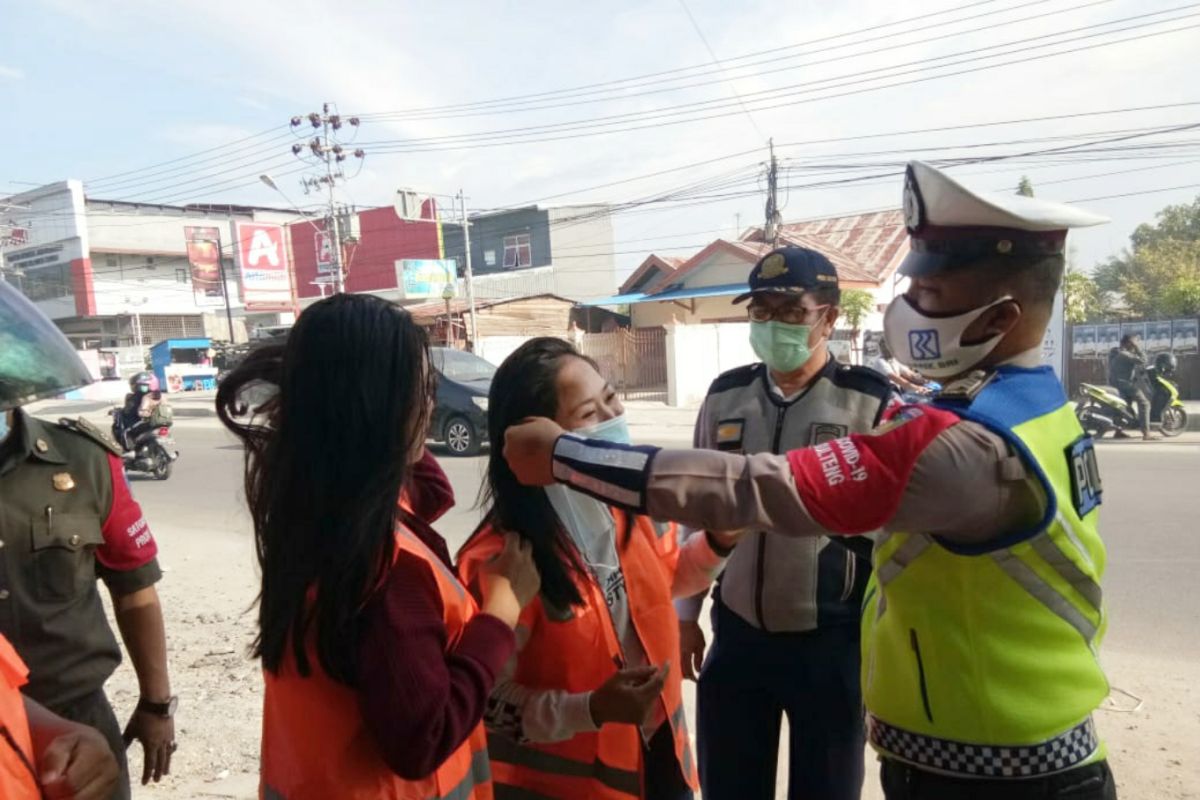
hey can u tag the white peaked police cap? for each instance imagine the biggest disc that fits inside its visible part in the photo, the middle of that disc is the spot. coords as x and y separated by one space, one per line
952 226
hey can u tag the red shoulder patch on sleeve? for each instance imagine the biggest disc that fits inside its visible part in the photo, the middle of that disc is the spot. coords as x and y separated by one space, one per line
854 484
128 543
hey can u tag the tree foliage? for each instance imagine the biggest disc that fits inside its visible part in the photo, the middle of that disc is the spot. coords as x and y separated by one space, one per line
1159 275
1083 299
1025 187
856 306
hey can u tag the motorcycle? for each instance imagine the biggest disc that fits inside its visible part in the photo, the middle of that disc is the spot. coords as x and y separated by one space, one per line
152 450
1101 409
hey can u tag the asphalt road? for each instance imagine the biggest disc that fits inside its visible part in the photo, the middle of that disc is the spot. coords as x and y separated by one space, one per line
1149 521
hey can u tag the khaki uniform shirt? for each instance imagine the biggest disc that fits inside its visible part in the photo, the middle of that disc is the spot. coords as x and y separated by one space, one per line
66 517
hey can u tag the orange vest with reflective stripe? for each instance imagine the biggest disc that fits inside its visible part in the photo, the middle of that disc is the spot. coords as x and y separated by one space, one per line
316 745
578 655
17 777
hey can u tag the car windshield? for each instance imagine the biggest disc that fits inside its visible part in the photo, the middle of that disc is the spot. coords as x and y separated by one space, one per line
457 365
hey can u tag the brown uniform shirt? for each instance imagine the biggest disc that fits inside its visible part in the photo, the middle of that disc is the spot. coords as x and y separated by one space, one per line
66 518
967 485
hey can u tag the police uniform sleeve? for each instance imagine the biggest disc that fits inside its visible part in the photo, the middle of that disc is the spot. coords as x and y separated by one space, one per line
925 470
127 560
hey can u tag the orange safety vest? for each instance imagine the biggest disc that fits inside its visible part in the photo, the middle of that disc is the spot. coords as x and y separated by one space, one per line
18 779
316 746
581 653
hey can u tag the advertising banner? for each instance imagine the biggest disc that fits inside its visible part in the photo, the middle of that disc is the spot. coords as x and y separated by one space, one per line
1083 341
425 278
1185 336
1135 329
204 257
262 258
1107 337
1158 337
323 243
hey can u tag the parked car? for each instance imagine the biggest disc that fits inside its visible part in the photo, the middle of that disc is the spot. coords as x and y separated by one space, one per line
460 416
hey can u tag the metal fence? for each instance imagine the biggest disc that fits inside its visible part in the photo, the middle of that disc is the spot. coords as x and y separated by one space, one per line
633 360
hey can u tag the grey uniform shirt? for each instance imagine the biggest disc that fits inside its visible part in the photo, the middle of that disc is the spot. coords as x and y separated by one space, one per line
793 583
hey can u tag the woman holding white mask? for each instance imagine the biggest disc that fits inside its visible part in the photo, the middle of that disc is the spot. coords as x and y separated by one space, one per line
590 706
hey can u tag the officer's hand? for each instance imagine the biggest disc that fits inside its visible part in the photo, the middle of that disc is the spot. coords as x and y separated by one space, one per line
691 648
157 735
628 696
78 765
529 450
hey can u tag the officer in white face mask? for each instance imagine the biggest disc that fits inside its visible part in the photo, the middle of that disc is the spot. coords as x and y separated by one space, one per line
983 619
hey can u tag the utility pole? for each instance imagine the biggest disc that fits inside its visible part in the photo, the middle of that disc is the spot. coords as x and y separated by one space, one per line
771 226
224 291
466 225
326 151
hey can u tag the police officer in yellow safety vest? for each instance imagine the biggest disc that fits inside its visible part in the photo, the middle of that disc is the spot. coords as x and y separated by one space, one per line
983 616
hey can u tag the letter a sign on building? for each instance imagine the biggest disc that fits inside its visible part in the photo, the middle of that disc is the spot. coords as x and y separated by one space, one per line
262 256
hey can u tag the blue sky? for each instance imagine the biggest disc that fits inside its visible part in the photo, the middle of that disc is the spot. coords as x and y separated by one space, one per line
96 89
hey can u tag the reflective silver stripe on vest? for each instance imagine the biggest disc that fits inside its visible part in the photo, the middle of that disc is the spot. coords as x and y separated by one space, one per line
1063 752
1046 594
905 554
480 772
435 562
680 729
1069 570
504 749
890 569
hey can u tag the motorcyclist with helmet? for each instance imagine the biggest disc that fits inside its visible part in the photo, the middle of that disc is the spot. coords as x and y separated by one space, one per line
1127 372
143 398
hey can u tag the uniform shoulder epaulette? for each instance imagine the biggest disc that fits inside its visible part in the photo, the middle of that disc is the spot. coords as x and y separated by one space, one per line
862 379
84 428
735 378
966 387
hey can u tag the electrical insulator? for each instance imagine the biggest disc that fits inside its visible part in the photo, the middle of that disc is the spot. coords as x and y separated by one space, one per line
341 157
296 121
359 153
337 148
315 119
354 121
296 148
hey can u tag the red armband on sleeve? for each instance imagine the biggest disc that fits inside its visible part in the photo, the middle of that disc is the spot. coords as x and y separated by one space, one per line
128 543
854 484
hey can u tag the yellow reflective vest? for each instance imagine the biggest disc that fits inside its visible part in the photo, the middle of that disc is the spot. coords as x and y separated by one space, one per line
982 661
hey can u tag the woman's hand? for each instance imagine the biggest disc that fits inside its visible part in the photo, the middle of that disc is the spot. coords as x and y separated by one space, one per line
529 450
510 580
629 695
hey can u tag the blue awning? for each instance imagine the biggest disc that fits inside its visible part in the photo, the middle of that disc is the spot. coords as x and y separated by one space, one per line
616 300
682 293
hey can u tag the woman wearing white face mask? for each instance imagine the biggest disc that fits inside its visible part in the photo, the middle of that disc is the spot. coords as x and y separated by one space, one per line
591 704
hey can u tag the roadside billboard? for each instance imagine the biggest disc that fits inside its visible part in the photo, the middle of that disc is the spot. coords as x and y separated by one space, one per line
204 258
1083 341
263 261
425 278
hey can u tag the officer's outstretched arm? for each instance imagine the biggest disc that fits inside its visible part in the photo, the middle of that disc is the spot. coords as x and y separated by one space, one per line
925 471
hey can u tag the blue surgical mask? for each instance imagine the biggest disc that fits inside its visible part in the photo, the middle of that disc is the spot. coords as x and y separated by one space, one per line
4 429
611 430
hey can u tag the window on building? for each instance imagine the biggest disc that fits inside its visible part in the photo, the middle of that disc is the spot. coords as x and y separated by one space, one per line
183 275
517 251
47 283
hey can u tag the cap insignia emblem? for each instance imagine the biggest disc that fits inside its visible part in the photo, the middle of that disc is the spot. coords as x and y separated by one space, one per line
773 266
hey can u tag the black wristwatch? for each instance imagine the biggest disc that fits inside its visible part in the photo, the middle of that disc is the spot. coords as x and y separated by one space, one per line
165 710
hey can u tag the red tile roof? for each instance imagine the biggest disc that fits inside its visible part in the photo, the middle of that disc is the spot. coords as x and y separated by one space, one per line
876 242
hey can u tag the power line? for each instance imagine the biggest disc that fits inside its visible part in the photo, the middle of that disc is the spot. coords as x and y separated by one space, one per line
562 102
517 98
672 115
733 90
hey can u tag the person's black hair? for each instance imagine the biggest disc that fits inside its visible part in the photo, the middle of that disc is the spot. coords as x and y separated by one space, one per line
1031 280
526 385
341 408
826 295
1128 342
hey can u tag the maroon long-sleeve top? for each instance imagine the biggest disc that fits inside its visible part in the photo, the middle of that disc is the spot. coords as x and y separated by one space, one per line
419 699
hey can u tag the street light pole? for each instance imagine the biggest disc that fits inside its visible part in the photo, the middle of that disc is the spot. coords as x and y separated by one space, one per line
448 295
462 204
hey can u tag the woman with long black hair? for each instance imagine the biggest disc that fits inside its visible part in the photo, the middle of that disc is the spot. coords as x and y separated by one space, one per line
377 663
591 704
